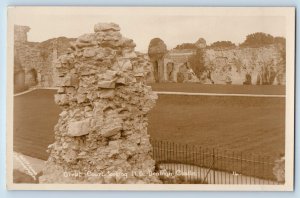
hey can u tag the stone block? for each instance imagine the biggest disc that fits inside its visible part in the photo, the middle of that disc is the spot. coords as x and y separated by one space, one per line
108 75
107 84
121 81
99 27
128 43
81 98
79 128
61 90
107 94
89 52
86 38
112 38
125 64
111 130
139 74
63 81
67 81
115 144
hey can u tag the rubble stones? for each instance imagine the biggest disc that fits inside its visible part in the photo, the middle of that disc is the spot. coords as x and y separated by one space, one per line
104 103
103 27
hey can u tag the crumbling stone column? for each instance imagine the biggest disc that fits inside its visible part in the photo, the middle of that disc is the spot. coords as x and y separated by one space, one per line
156 51
101 135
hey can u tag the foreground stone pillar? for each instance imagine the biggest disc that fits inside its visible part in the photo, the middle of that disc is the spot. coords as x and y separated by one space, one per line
101 135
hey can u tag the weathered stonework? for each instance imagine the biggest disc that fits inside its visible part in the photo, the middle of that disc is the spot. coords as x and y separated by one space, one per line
34 62
178 67
261 65
101 134
170 66
156 52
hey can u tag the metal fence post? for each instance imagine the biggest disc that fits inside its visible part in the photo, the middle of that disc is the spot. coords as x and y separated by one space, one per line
213 167
246 168
241 173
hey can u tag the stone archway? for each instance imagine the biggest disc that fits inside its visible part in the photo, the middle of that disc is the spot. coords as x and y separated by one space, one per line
156 52
170 71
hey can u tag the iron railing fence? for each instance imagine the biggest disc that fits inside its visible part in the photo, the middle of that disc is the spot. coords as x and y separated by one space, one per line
212 165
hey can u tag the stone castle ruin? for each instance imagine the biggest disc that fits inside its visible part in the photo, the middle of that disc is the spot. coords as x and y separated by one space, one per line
170 66
34 63
258 66
101 135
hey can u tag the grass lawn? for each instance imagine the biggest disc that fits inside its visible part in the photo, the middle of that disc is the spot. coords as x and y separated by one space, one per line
250 127
241 124
35 115
248 124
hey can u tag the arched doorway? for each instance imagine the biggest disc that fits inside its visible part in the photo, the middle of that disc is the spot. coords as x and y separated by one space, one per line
170 71
32 77
155 71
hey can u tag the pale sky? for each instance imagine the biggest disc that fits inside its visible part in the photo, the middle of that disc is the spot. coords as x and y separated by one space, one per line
171 28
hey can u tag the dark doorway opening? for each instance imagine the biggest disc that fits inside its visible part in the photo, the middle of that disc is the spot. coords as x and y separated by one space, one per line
155 71
32 77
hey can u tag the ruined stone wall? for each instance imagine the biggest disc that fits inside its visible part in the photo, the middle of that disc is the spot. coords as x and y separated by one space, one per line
177 69
234 64
264 65
31 63
172 65
101 134
148 68
37 59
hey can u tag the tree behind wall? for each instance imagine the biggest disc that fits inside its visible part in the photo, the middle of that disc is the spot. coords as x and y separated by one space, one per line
222 45
258 39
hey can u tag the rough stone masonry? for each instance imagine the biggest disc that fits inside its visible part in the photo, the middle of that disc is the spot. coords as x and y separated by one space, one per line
101 135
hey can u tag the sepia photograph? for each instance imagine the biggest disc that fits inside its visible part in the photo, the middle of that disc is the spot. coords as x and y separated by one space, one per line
150 98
